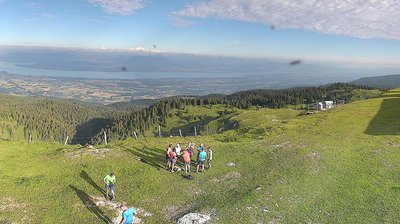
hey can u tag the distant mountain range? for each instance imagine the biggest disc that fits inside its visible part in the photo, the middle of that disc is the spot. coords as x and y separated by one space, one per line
384 82
193 65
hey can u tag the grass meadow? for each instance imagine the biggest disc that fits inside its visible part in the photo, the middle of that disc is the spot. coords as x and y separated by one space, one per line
336 166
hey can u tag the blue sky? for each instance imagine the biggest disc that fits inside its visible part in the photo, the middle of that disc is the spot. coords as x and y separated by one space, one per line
345 32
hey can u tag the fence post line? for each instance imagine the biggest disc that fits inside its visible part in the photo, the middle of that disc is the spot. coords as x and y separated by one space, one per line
66 140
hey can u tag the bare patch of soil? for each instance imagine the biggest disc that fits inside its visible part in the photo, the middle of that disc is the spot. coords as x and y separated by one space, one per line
9 204
228 176
98 153
196 218
114 206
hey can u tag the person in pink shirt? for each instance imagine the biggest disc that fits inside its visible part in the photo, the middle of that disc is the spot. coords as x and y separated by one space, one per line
186 160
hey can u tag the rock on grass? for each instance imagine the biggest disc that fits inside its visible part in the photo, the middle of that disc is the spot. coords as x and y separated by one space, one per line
194 218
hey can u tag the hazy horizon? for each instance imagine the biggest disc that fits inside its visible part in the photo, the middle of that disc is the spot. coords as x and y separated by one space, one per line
144 63
242 43
358 34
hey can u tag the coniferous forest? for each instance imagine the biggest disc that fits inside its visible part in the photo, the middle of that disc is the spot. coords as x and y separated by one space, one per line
48 119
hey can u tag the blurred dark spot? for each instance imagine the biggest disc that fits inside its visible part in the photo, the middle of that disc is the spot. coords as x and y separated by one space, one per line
272 27
123 68
296 62
154 46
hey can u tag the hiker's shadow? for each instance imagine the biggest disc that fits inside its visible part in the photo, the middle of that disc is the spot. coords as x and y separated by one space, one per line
90 181
152 157
90 205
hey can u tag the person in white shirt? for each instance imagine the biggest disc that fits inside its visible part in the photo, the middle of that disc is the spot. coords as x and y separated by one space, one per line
178 151
210 157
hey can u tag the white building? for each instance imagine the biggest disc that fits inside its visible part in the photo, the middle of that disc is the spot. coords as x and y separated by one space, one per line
322 105
327 105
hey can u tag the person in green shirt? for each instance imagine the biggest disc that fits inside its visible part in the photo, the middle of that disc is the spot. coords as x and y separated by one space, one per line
109 181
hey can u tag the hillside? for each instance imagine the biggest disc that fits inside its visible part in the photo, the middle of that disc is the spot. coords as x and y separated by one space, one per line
338 166
48 119
383 82
147 120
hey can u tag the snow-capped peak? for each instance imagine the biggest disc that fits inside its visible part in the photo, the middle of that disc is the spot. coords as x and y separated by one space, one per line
143 50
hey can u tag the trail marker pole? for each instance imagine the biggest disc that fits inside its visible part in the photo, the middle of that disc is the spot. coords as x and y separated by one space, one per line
195 131
135 134
66 140
159 131
180 132
30 138
105 138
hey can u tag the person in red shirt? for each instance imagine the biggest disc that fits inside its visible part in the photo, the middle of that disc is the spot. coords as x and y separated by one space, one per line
172 160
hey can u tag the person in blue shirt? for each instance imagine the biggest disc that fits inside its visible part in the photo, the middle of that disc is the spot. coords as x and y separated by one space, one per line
128 215
200 148
200 160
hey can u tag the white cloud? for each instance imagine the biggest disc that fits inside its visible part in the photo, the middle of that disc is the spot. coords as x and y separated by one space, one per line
179 21
47 15
119 7
358 18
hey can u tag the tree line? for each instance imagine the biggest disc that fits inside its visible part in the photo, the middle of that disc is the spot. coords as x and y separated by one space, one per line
156 114
48 119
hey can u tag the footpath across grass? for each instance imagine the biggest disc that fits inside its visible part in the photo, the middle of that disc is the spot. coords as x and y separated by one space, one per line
322 168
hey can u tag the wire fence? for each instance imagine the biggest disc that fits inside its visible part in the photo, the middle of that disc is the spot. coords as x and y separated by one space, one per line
74 140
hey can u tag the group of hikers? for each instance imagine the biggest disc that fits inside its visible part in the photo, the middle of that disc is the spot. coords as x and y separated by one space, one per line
174 154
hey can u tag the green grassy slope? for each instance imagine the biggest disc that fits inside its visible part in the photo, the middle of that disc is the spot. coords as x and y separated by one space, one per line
338 166
214 119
